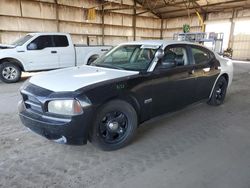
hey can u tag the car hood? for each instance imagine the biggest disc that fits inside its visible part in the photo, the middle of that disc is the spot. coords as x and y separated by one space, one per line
71 79
6 46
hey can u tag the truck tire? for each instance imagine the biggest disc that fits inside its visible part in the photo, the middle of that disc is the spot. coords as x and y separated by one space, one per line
115 126
9 72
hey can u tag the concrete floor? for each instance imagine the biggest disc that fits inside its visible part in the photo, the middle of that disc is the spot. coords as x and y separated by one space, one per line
198 147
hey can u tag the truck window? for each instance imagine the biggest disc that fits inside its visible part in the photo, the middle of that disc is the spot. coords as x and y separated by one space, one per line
60 41
40 43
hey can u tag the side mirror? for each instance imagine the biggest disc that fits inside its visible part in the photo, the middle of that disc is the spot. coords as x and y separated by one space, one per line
166 64
159 54
32 46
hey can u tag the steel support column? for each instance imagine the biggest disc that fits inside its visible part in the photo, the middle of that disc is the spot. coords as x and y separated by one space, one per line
57 17
162 28
103 14
134 21
231 36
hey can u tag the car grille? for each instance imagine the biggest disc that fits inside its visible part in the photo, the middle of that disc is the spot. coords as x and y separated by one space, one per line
32 103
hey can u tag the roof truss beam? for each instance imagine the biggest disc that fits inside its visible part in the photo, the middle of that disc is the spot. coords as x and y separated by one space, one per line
206 6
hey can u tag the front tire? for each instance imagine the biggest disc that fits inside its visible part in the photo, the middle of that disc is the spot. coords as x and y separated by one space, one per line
219 92
9 72
115 126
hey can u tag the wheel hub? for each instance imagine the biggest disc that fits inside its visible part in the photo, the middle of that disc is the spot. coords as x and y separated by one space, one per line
9 73
219 91
113 126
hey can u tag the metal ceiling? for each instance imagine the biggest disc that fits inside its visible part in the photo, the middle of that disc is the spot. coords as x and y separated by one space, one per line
175 8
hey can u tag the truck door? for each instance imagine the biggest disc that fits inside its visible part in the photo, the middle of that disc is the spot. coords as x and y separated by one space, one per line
65 51
40 54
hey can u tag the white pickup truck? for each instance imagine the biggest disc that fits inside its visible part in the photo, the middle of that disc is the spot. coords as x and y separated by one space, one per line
44 51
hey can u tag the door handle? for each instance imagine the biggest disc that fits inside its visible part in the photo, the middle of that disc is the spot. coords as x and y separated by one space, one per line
53 52
191 72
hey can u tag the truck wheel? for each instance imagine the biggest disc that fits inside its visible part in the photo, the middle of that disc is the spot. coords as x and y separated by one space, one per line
115 126
219 92
9 72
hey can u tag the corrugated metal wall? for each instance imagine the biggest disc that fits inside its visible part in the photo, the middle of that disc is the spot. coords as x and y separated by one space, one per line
18 17
175 25
241 47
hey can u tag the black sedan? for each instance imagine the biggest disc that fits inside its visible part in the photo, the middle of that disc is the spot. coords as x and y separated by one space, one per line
105 102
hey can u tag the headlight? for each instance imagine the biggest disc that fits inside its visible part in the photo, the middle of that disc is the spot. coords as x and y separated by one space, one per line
65 107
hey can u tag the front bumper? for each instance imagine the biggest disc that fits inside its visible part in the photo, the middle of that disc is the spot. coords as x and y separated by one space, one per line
68 130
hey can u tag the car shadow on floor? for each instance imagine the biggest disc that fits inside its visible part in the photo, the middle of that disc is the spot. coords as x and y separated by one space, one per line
24 77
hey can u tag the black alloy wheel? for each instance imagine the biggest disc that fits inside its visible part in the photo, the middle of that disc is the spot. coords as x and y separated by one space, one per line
115 125
219 92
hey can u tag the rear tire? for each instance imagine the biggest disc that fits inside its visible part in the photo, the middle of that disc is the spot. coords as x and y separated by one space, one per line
219 92
9 72
115 126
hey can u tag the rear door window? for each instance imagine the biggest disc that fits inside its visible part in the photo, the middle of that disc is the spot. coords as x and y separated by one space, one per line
60 41
201 55
176 55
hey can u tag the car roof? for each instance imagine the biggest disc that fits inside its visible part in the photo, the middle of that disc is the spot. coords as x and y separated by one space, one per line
163 43
156 42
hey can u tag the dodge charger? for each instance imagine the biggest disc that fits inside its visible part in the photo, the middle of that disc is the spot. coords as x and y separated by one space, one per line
105 102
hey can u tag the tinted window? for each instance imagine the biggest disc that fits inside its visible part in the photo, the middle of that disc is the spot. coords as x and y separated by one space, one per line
175 55
200 55
61 41
41 42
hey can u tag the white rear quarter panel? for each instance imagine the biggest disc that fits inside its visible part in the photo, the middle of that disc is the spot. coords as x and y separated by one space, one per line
85 52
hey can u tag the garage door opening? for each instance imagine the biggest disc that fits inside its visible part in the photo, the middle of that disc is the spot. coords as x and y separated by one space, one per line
220 27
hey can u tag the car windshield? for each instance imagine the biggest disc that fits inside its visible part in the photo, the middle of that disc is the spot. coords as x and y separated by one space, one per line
128 57
22 40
